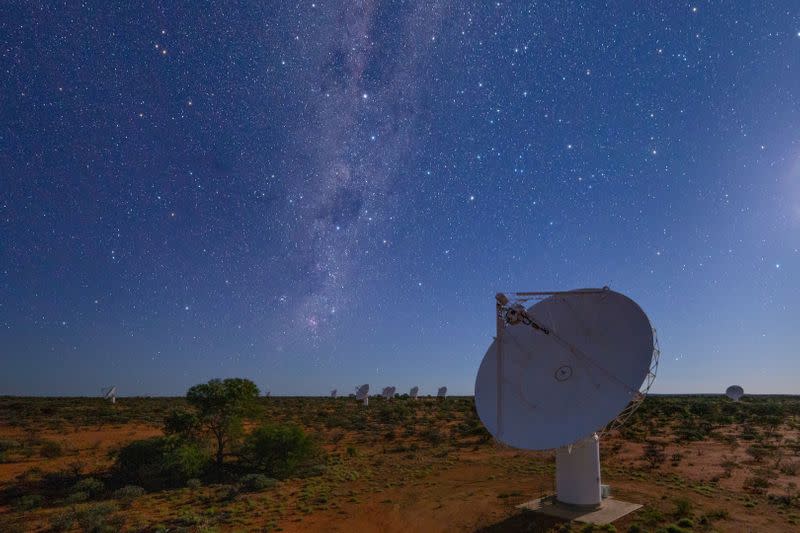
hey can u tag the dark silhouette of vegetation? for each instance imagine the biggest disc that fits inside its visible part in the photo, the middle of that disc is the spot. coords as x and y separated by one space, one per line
161 462
182 422
278 450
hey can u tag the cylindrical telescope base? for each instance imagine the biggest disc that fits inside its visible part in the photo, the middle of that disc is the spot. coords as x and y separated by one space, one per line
578 473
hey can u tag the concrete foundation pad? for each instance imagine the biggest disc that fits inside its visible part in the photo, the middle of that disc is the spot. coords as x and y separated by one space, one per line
609 511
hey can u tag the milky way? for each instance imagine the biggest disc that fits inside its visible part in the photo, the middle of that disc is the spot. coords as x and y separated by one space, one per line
357 126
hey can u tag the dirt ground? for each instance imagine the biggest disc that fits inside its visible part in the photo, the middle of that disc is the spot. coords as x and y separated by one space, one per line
428 468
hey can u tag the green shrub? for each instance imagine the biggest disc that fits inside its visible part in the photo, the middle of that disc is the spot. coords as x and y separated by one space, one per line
654 454
8 444
433 436
718 514
194 483
161 462
257 482
51 449
62 521
129 492
91 486
756 484
77 497
759 452
686 522
683 508
229 492
28 502
181 422
278 450
99 518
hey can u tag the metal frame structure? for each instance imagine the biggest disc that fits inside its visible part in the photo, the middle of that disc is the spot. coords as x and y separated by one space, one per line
626 413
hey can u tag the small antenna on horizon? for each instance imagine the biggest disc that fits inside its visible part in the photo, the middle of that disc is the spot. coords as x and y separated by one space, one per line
388 393
362 393
734 392
109 393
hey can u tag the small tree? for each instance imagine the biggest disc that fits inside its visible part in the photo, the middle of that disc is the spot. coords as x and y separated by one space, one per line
221 406
654 454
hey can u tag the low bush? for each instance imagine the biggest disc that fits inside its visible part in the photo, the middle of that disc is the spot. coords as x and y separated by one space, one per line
62 521
161 462
228 492
28 502
77 497
257 482
756 484
181 422
278 450
654 454
432 436
790 469
100 518
129 492
683 508
91 486
51 449
8 444
759 452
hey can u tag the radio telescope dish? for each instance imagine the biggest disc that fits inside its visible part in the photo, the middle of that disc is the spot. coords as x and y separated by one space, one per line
109 393
414 392
333 393
557 387
388 393
734 392
442 392
362 393
561 370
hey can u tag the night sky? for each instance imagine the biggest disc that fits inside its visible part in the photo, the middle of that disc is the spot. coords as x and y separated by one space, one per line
320 194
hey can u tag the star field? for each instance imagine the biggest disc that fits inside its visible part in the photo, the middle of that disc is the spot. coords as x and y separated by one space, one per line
326 193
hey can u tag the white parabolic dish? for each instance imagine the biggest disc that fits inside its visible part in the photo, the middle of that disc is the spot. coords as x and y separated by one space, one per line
559 387
362 391
734 392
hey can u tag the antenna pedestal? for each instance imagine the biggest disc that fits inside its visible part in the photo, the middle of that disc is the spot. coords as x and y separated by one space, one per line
578 473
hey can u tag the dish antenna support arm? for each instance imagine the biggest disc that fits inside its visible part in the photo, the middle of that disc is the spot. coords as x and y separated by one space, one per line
500 302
